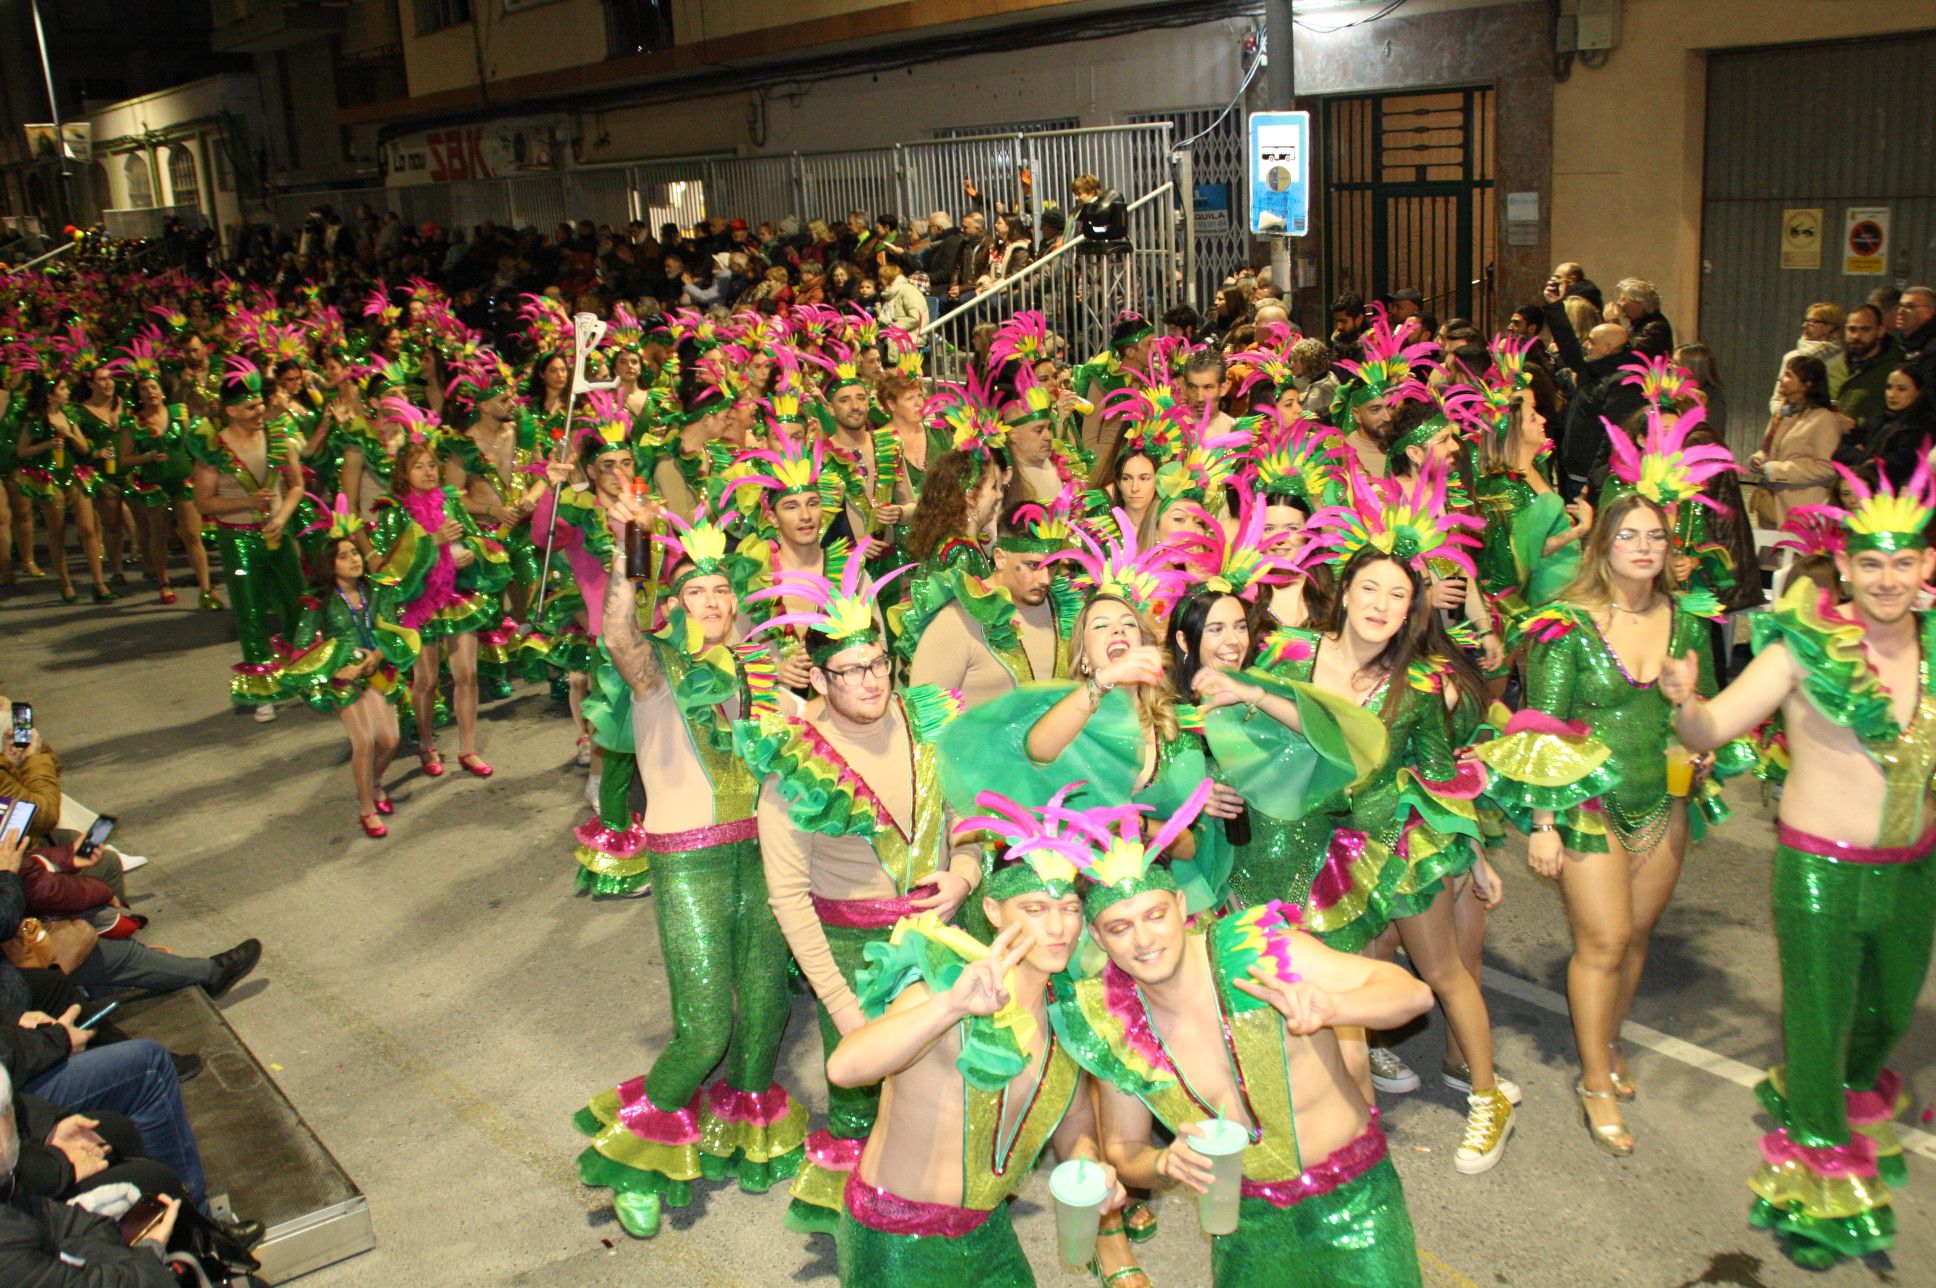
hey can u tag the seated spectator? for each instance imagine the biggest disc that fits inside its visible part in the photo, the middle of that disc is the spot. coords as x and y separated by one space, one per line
901 303
1794 465
1310 360
1860 372
1527 322
1896 437
1821 338
1916 324
1182 322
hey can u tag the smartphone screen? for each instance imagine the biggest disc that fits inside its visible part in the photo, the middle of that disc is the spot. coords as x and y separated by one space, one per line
18 816
96 834
23 723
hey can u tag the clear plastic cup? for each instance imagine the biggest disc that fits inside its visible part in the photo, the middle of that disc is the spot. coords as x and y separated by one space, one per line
1223 1143
1079 1188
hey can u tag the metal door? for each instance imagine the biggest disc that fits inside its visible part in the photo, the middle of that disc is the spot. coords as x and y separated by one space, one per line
1408 198
1821 127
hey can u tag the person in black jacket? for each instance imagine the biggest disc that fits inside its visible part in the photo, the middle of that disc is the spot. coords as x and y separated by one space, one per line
1639 302
45 1243
1603 393
1891 442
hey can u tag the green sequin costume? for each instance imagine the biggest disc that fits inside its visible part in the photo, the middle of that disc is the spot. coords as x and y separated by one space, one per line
827 797
890 1242
1854 925
160 483
333 634
1340 1221
1573 675
725 961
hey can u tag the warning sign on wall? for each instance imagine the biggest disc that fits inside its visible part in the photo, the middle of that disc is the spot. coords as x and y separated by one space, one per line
1865 242
1801 238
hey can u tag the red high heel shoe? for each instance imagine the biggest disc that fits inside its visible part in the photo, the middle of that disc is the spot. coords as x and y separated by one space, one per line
474 764
432 762
167 594
385 806
372 827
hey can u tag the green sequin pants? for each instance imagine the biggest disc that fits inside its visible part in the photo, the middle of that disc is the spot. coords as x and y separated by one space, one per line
1854 941
725 966
989 1257
1357 1236
260 581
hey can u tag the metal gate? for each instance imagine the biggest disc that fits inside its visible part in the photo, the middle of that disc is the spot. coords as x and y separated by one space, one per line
1217 175
1408 198
1854 147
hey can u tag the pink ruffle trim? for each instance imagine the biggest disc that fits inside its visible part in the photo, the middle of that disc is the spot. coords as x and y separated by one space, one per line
891 1214
760 1108
254 668
1465 785
1334 880
1344 1166
650 1123
1867 1108
595 835
500 635
1119 996
1527 720
1857 1158
833 1153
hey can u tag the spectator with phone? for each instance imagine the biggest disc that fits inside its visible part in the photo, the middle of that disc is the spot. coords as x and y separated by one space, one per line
31 773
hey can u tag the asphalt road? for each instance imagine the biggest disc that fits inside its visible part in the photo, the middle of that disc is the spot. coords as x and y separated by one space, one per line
438 1004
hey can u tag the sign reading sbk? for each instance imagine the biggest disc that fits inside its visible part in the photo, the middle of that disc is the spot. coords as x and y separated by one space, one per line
458 153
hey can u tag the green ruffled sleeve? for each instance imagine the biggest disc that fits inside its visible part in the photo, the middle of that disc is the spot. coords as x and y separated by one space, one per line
408 552
922 950
608 706
1285 774
490 567
1542 576
1538 763
986 749
990 606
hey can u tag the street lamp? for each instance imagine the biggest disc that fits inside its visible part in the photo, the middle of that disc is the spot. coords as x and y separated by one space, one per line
61 204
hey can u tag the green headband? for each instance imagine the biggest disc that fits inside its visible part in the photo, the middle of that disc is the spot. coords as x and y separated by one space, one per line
1100 898
1887 542
1026 543
1432 427
1143 332
825 653
1012 880
241 389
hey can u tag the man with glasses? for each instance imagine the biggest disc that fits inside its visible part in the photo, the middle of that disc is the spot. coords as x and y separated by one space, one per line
854 836
1859 374
1821 338
1916 324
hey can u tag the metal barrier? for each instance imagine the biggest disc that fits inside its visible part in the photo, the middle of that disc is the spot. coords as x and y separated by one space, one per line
1080 295
905 179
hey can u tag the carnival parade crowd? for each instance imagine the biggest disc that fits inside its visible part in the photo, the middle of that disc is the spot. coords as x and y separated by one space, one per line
1085 734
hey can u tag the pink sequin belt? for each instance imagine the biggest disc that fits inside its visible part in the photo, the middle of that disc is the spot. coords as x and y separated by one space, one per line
1345 1165
891 1214
1849 852
700 838
867 914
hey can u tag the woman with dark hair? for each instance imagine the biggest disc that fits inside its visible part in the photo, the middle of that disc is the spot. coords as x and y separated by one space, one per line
1596 654
1892 442
97 414
1795 464
545 395
352 651
54 462
1126 474
843 283
154 452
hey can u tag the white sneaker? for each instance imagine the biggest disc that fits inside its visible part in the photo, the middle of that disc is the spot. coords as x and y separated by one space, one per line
1459 1078
265 713
1488 1126
1390 1074
583 757
129 862
591 791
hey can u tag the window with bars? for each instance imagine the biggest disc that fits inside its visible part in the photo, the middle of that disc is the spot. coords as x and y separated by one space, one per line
1019 127
141 188
435 15
181 176
637 26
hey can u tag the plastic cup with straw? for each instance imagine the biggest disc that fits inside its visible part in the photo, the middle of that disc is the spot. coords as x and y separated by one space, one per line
1079 1188
1223 1143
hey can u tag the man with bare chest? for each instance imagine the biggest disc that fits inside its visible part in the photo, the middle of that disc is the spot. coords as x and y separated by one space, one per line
1854 880
1235 1020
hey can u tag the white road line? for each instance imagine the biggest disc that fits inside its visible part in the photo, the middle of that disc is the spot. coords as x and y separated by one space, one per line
1674 1048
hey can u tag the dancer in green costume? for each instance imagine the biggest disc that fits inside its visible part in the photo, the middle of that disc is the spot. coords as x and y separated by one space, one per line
1854 877
1233 1019
853 833
724 955
973 1081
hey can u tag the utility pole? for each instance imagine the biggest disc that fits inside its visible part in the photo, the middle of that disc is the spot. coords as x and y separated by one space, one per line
1280 95
61 205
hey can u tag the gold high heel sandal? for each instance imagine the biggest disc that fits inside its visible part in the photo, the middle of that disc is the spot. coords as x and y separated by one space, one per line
1612 1138
1624 1085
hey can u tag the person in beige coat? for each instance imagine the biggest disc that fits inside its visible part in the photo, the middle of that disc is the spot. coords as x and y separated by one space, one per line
1794 466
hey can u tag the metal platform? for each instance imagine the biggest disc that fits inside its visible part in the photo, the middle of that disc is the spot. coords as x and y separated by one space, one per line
262 1159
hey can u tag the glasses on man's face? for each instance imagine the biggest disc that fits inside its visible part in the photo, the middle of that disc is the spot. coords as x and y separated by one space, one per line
851 675
1816 322
1636 537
